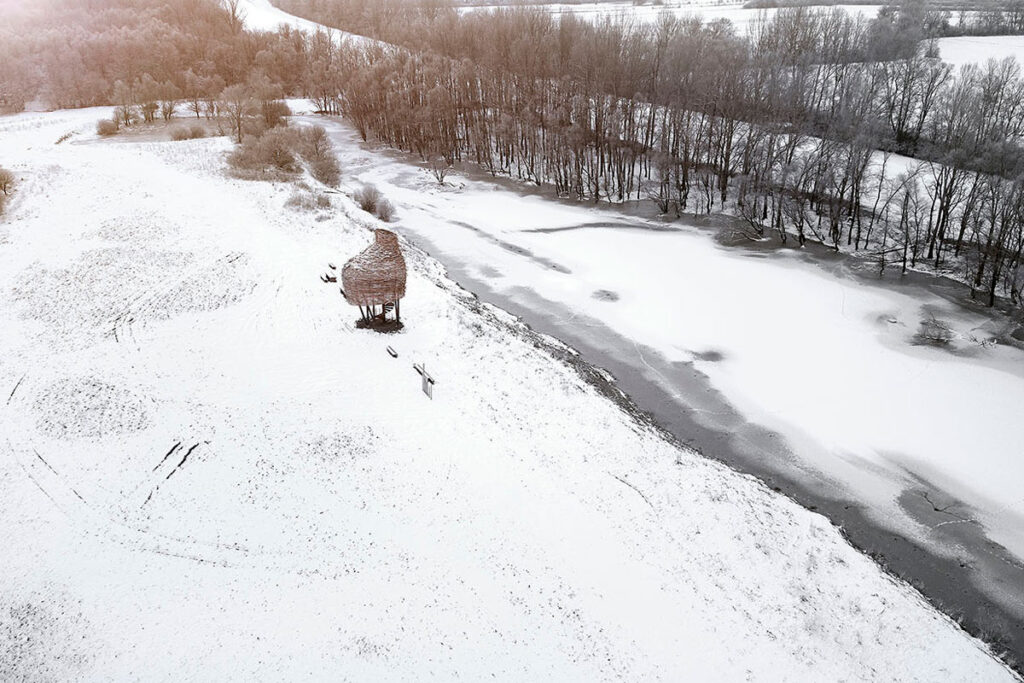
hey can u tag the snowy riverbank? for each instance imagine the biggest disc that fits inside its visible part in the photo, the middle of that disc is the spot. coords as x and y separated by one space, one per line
780 338
329 520
616 304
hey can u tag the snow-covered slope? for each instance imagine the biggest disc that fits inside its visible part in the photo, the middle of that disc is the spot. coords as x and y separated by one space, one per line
210 474
979 49
262 15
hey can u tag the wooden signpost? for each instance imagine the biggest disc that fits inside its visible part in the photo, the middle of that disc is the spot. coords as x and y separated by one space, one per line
428 381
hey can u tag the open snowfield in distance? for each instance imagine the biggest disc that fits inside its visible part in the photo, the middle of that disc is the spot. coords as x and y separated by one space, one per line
262 15
740 16
979 49
209 473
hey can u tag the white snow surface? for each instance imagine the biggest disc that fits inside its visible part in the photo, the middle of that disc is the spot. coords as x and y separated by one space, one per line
980 49
262 15
321 518
828 361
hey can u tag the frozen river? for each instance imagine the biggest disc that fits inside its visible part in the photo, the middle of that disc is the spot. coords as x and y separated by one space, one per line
796 369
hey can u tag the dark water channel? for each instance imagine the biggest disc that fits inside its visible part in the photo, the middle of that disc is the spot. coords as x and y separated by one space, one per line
974 580
982 586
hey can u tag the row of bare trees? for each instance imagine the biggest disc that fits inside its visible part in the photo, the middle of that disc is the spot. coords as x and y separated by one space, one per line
141 54
156 59
816 125
798 127
1002 18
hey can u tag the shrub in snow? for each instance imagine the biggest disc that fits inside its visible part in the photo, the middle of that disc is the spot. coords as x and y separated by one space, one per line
6 185
306 201
367 198
278 150
275 148
385 210
934 333
107 127
6 182
191 132
271 151
315 143
440 167
327 171
315 148
300 201
274 113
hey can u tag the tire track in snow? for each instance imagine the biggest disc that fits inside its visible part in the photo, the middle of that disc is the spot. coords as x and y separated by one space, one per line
11 396
97 524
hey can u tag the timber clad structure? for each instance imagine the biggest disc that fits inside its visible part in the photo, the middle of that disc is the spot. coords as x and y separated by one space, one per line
376 277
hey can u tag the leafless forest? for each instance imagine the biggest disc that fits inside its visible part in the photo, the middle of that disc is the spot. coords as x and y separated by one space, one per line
816 126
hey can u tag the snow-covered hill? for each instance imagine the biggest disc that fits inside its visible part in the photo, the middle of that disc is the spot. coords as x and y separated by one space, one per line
262 15
210 474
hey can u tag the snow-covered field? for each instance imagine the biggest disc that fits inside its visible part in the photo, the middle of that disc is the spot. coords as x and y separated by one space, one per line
979 49
740 16
210 474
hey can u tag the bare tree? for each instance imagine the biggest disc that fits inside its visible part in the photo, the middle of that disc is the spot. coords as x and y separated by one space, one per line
6 181
238 105
236 16
367 197
439 168
170 95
